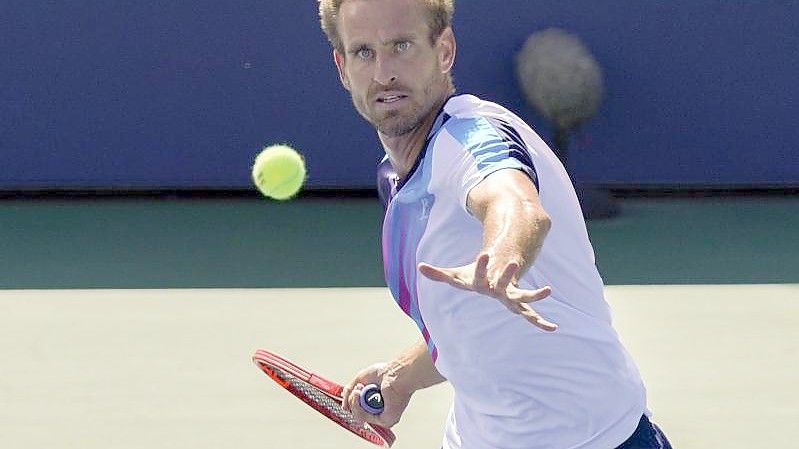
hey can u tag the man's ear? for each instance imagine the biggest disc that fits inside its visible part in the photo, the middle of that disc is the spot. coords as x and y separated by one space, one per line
447 47
339 60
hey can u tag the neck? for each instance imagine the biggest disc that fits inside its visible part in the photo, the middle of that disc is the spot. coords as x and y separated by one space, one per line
403 150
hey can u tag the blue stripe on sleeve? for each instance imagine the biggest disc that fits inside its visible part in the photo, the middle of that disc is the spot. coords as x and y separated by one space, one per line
492 142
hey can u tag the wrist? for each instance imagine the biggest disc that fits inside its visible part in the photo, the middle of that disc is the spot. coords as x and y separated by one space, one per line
396 373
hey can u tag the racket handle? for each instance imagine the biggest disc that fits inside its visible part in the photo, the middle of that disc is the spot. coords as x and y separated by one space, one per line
371 400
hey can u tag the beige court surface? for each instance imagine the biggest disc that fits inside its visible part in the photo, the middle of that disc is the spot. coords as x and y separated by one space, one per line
153 369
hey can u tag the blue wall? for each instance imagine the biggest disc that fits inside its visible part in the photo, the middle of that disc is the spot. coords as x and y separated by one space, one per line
165 94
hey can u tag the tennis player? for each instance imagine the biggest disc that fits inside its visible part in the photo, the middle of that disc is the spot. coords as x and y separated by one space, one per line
485 248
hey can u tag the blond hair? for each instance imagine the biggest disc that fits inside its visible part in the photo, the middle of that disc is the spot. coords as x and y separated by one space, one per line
439 19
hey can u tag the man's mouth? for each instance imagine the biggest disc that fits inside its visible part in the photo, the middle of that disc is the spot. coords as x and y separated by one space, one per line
387 99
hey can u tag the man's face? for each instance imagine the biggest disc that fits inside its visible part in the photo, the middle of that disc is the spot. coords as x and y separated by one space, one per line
395 75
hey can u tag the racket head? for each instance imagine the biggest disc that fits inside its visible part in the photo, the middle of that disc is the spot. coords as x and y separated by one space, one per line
320 394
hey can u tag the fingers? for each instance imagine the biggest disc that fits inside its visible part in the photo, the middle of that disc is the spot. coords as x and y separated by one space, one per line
480 280
436 273
476 277
387 418
352 401
354 406
523 295
519 299
537 320
366 376
468 277
506 277
346 393
449 276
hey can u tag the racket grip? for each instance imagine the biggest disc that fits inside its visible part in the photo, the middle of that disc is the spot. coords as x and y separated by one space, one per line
371 400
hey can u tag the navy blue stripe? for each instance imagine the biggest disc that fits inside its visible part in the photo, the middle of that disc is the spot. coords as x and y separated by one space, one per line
386 176
517 146
444 117
491 159
489 146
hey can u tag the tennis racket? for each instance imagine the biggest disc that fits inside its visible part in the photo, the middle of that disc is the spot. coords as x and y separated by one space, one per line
325 396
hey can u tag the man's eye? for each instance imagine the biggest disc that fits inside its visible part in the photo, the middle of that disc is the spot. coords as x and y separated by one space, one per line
403 46
364 53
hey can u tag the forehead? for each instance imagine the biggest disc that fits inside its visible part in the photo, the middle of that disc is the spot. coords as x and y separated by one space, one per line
380 20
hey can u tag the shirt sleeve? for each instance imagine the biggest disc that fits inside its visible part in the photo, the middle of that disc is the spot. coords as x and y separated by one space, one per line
488 145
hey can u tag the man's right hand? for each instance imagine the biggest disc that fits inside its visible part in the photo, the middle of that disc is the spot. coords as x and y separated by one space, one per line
498 283
395 399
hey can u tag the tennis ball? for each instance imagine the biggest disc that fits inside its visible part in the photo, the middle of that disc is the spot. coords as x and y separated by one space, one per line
278 172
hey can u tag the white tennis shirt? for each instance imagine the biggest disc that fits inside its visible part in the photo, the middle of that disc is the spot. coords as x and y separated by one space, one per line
515 385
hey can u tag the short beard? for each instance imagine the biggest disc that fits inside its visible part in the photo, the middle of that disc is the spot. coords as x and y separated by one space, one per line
398 129
392 128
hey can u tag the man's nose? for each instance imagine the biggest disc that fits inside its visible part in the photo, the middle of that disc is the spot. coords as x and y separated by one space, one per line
385 74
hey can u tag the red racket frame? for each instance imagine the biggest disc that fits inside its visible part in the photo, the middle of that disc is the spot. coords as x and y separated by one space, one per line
272 364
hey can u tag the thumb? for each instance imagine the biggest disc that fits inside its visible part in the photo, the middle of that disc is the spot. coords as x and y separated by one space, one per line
436 273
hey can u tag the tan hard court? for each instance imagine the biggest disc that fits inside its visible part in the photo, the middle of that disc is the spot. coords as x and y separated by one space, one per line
152 369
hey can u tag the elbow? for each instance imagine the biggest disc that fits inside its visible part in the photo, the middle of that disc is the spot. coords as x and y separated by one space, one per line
543 221
539 217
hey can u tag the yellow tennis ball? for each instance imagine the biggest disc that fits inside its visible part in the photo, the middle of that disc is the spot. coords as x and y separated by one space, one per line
279 172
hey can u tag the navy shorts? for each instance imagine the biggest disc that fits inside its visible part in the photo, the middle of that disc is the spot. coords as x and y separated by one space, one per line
646 436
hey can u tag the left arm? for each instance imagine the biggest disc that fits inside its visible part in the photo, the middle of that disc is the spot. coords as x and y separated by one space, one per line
514 228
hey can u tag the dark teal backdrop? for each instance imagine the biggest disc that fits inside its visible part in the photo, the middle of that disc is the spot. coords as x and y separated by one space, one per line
182 94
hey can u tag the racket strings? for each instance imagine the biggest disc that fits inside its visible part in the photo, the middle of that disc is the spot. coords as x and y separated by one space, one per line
327 406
